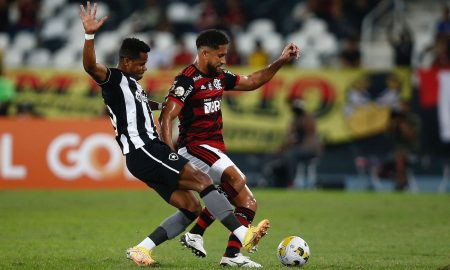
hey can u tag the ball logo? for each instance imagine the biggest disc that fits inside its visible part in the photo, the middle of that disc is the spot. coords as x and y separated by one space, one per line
173 156
179 91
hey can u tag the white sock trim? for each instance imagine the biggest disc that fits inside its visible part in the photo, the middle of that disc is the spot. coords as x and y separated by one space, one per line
240 233
147 243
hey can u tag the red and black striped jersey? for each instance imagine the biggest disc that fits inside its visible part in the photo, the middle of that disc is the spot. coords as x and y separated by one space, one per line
201 98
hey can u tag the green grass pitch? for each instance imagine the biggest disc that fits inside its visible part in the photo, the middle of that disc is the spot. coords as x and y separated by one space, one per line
92 229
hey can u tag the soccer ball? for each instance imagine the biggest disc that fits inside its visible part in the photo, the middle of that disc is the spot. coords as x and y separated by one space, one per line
293 251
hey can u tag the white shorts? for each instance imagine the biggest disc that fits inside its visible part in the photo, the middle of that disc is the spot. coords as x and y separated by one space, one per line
208 159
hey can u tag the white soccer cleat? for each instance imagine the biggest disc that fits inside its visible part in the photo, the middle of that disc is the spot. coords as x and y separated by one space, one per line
254 249
239 261
194 242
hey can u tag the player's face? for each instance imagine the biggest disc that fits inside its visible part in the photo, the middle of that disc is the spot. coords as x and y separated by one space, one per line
136 67
215 59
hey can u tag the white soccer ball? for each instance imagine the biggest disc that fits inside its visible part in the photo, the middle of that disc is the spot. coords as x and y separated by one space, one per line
293 251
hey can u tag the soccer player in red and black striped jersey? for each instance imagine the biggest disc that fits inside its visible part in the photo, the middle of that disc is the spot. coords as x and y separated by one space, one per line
195 98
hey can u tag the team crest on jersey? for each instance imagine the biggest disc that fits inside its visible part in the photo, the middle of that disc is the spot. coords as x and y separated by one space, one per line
217 84
173 156
179 91
141 95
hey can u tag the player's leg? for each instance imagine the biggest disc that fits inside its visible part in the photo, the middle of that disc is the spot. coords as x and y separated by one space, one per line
233 185
212 162
165 171
245 213
188 210
145 164
245 210
192 178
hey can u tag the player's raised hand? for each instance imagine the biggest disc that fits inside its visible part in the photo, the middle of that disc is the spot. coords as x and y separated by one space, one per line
290 52
90 23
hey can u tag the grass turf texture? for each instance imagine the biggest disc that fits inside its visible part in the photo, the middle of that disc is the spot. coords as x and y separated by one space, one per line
92 229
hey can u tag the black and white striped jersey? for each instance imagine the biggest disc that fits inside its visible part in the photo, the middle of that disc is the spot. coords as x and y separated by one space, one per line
129 110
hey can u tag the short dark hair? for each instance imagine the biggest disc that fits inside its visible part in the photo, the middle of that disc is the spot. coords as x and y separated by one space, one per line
132 47
212 38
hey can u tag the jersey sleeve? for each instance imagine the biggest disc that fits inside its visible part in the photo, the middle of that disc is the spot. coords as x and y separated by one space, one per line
113 76
182 88
231 80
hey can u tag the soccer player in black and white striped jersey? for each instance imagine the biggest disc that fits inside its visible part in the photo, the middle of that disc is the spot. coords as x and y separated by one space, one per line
149 159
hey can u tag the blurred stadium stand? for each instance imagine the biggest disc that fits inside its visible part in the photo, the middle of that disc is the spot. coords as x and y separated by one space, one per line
319 27
49 34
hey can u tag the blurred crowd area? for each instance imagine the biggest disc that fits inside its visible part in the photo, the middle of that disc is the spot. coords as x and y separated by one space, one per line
337 34
48 33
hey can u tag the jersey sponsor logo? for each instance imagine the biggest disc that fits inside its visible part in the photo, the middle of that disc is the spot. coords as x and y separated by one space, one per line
197 78
141 95
239 264
217 84
229 72
179 91
173 156
211 106
203 87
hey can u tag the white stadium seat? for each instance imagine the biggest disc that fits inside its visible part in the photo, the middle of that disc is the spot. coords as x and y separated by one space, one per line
189 40
301 39
4 41
309 60
178 12
163 40
314 26
72 11
24 41
65 58
39 58
260 27
54 28
245 43
13 58
273 43
49 7
107 42
326 43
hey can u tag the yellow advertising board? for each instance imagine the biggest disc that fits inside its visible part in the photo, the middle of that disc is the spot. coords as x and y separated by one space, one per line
253 121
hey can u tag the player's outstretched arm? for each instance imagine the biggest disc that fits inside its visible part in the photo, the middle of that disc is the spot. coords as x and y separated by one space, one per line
170 111
260 77
91 25
154 105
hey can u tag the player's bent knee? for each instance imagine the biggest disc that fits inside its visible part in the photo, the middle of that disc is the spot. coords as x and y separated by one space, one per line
236 180
194 207
202 179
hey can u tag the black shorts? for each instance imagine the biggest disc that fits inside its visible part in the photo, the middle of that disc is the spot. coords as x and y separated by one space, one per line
158 166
